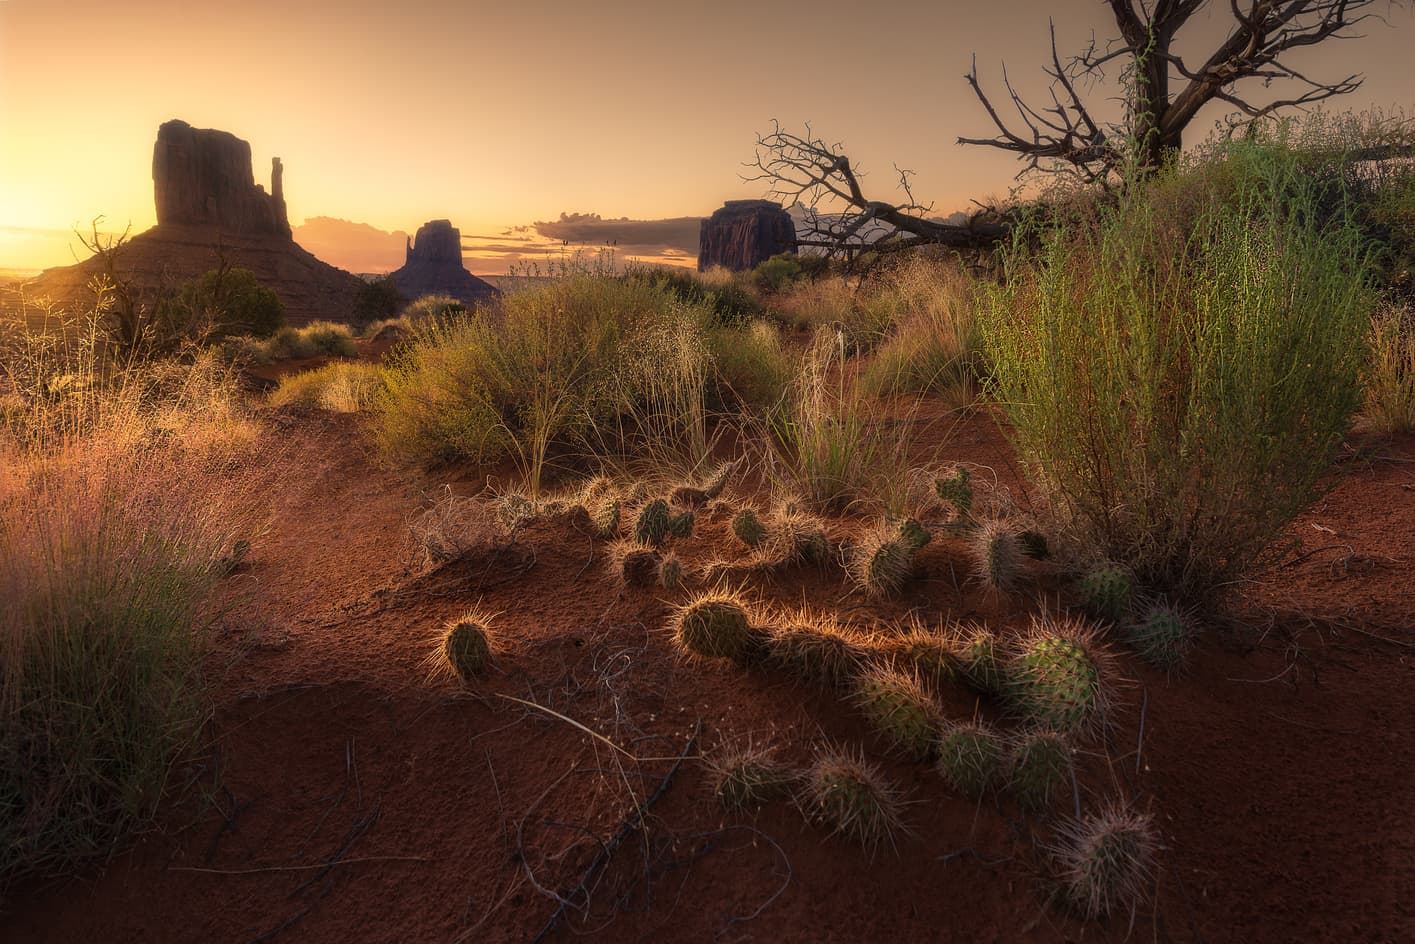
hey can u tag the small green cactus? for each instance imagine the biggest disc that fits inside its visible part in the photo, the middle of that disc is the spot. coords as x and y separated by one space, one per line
880 562
913 534
898 708
716 625
997 556
957 490
1107 860
605 516
930 654
814 650
853 797
981 662
1106 592
1056 679
634 563
1163 636
970 756
686 496
652 524
681 525
748 528
744 776
1040 763
465 649
717 481
670 573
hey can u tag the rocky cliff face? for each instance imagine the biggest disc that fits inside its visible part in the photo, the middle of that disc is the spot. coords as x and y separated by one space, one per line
202 176
745 233
434 266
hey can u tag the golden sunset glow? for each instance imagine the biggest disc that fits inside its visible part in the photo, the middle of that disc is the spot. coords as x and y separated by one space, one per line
502 115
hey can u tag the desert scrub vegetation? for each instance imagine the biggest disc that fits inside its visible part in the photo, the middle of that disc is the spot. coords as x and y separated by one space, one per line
584 363
289 343
1390 380
931 346
338 388
1179 369
122 505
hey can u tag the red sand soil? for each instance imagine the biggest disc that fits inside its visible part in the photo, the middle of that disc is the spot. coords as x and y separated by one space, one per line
344 796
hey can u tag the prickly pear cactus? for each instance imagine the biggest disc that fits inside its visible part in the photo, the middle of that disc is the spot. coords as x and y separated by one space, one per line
1056 683
681 525
1106 591
957 490
1162 637
748 528
605 517
652 523
913 534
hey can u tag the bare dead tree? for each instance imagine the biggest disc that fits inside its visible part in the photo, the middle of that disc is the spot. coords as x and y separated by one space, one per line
809 173
1165 90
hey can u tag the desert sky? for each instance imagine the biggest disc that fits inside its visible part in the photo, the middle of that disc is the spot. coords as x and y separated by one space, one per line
525 122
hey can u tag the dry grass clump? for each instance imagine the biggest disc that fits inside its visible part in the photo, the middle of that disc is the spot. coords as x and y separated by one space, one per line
970 757
451 527
932 347
853 797
465 647
1390 378
1059 676
1106 860
744 775
896 705
337 388
1039 762
718 624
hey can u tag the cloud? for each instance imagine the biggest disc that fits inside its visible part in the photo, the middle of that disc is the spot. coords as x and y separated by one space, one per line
634 236
357 247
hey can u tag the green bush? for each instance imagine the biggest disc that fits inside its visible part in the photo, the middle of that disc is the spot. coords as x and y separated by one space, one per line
1178 370
730 302
754 369
785 269
218 304
378 300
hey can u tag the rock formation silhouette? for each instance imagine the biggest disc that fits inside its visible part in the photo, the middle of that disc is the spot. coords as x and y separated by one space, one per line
745 233
209 210
433 266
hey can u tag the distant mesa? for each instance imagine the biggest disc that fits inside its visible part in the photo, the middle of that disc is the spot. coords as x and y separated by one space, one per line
745 233
210 207
434 266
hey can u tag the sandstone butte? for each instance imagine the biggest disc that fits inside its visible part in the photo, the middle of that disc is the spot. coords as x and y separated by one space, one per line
745 233
209 207
434 267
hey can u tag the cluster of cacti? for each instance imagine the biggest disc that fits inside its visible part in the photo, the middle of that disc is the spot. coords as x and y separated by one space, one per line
1039 763
1056 679
1106 592
1107 860
465 647
670 572
981 661
853 797
880 561
651 524
897 707
718 624
742 776
997 556
957 490
970 757
748 528
1162 635
635 563
813 650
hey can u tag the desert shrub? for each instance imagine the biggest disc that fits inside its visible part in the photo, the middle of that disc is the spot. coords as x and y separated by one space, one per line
378 300
728 300
830 306
122 504
779 272
314 339
245 351
754 370
1390 378
1178 371
932 346
338 387
593 362
218 304
432 307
